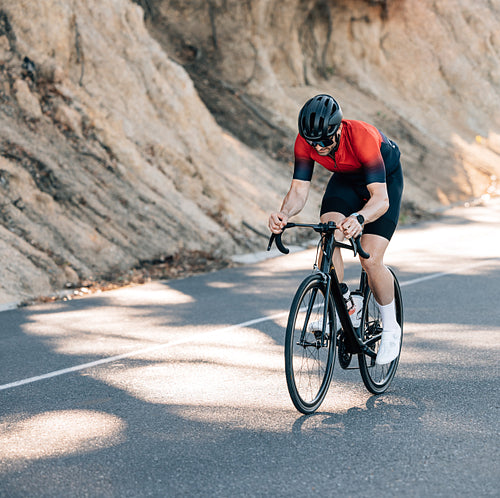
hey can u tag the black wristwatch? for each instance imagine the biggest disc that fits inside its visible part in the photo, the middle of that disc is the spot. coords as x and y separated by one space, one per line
359 217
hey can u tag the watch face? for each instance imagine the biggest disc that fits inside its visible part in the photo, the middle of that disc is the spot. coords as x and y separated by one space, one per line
360 218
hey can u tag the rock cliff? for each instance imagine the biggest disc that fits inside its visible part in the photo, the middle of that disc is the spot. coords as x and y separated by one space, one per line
134 131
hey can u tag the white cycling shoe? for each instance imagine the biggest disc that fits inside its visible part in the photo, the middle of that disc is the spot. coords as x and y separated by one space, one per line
389 346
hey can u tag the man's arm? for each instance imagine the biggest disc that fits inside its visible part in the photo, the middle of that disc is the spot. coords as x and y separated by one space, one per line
377 205
293 204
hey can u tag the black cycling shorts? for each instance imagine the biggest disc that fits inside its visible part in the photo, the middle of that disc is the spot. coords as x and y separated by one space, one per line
344 196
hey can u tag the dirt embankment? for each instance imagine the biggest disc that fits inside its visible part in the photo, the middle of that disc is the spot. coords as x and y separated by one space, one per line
138 132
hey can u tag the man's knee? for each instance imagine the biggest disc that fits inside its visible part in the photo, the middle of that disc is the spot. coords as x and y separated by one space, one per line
337 218
375 262
332 216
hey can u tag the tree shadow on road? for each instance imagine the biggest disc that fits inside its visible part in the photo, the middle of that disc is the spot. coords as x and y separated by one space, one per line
215 419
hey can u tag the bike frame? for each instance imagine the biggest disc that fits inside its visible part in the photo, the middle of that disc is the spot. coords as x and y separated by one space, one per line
353 342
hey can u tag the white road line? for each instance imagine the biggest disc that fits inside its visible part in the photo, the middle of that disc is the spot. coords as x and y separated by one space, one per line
444 273
130 354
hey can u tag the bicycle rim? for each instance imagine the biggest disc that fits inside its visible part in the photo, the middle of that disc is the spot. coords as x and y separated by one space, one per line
377 378
309 355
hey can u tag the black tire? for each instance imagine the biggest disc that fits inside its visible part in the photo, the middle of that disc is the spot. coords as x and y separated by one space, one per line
309 360
377 378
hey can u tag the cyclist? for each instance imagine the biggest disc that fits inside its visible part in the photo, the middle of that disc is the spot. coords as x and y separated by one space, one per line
363 195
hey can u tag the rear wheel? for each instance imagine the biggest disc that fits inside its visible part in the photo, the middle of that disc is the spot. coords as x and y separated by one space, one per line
378 377
310 346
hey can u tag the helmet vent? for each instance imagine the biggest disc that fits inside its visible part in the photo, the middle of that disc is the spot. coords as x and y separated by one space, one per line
321 123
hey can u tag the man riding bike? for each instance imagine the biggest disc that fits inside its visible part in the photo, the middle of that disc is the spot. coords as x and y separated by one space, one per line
363 196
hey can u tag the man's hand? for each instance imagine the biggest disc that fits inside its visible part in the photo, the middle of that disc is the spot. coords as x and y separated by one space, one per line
350 227
277 221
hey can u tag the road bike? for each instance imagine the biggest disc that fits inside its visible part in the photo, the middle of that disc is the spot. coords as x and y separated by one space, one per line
319 326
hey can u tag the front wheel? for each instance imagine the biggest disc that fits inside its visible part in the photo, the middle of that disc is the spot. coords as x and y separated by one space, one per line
309 345
378 377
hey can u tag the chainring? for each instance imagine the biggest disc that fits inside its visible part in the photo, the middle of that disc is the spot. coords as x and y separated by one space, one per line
344 356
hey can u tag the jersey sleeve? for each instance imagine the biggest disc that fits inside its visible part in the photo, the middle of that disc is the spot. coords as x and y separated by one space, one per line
304 164
366 145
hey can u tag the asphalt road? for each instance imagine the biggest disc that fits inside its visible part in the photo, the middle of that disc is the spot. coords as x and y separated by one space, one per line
178 389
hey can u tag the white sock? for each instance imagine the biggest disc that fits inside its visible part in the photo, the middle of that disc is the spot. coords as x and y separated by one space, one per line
388 312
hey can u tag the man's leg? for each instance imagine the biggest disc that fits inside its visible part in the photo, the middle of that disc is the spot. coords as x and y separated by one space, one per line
381 283
379 277
338 262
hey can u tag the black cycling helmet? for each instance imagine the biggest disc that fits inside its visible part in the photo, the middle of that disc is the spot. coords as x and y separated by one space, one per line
319 118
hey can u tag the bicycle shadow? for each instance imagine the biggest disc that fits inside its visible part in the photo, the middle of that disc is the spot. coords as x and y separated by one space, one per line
380 415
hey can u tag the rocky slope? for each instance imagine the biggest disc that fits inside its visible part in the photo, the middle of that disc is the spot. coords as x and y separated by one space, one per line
426 72
132 132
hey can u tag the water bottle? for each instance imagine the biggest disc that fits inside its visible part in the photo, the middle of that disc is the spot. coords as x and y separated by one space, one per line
357 299
354 304
348 299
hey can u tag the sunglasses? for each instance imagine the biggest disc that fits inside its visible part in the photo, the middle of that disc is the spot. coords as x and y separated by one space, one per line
322 143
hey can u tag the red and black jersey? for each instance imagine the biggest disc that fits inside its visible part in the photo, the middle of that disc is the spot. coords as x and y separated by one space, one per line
364 155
